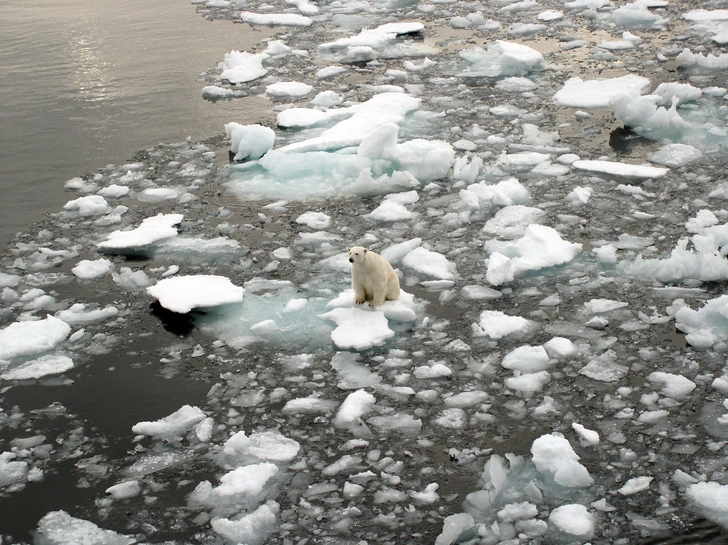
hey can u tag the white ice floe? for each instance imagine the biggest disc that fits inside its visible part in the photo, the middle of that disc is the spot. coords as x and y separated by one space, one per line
496 325
60 528
711 500
706 326
674 386
574 520
276 19
149 231
241 67
23 339
598 93
675 155
90 205
554 456
502 59
87 269
290 89
177 423
358 329
621 169
184 293
430 263
249 142
50 364
540 247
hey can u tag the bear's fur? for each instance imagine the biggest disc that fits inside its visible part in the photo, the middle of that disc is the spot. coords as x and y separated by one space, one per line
372 277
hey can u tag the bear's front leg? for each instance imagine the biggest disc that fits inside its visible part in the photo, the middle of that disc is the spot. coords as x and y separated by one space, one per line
360 296
378 298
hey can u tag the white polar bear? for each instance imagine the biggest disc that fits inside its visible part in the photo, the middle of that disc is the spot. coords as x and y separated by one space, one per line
372 277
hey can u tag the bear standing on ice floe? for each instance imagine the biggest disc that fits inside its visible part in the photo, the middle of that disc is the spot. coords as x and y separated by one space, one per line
372 277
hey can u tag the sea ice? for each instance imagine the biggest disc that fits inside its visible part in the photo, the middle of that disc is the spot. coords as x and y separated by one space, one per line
598 93
184 293
496 325
149 231
176 423
23 339
276 19
60 528
554 456
358 329
50 364
430 263
249 142
540 247
91 269
502 59
621 169
573 519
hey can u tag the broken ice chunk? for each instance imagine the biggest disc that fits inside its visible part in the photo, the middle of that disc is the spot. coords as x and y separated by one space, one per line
183 293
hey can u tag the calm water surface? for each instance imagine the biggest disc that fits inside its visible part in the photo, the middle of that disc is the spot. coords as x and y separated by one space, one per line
85 83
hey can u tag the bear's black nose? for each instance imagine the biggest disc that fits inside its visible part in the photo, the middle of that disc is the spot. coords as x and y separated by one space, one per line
351 260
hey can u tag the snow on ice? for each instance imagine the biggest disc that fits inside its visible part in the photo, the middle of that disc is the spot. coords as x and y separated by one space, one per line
547 181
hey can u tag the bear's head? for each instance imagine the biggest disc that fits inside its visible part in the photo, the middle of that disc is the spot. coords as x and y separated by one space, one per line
357 254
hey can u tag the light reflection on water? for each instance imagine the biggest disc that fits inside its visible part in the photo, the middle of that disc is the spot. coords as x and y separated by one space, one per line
85 84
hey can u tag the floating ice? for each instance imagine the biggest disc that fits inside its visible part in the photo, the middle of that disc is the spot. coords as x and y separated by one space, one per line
637 15
77 314
635 485
91 269
674 386
314 220
526 359
507 192
706 326
502 59
496 325
60 528
643 115
598 93
252 528
241 66
276 19
554 456
288 89
540 247
675 155
710 500
176 423
90 205
372 43
358 329
184 293
249 142
23 339
512 221
50 364
149 231
127 489
706 62
355 406
430 263
574 520
604 368
621 169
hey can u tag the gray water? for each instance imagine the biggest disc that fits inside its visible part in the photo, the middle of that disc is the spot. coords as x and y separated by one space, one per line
88 83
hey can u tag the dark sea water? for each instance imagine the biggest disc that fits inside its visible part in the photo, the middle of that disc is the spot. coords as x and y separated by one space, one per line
87 83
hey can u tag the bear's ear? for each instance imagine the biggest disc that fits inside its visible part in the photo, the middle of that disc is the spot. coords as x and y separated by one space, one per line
365 250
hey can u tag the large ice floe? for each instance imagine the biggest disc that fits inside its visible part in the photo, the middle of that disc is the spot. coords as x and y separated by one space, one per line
182 359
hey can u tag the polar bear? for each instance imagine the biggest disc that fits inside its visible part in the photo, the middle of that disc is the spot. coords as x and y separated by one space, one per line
372 277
